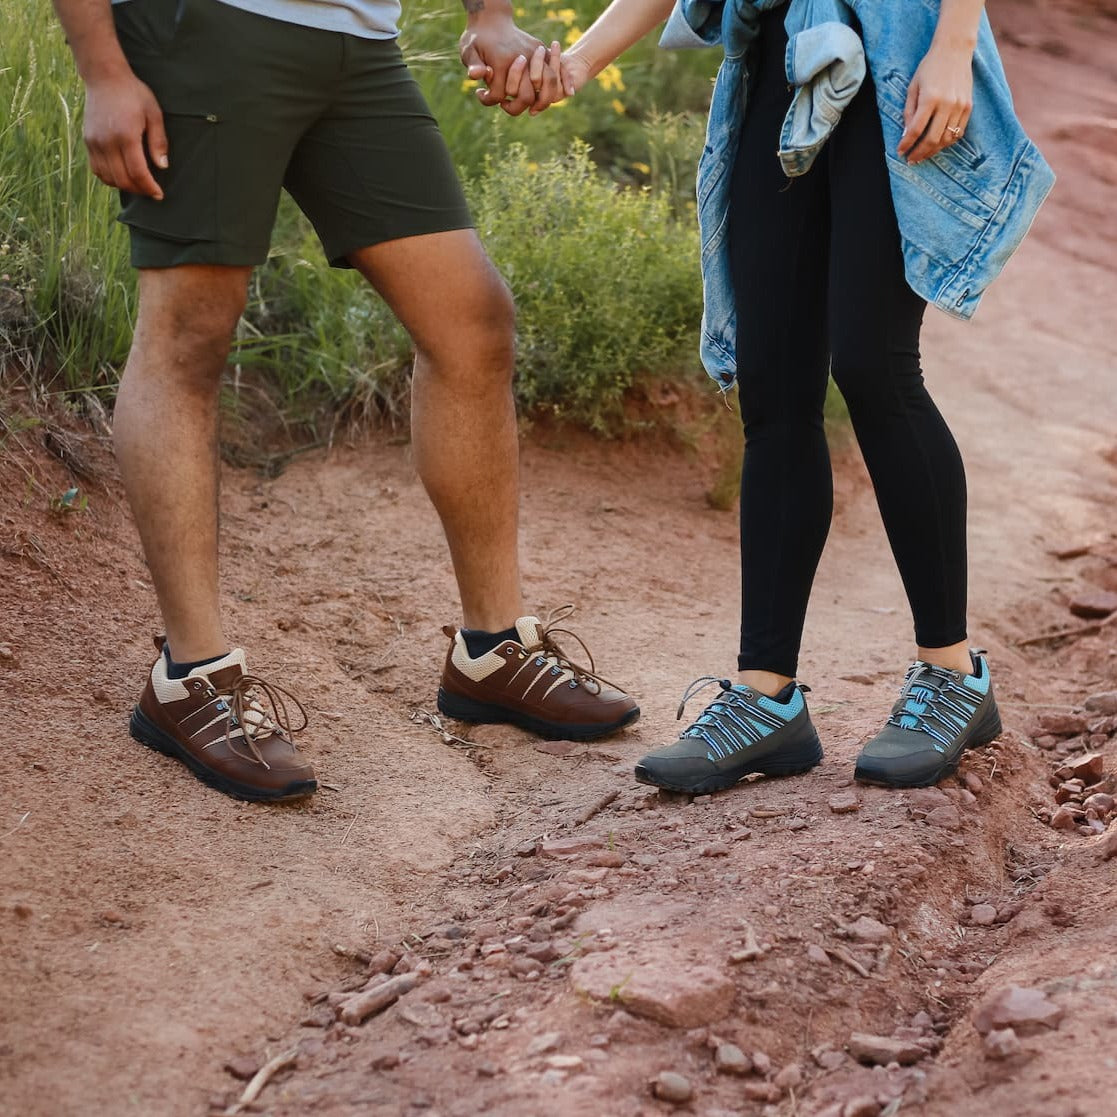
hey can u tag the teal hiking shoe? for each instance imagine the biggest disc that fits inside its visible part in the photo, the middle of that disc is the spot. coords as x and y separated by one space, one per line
938 715
740 732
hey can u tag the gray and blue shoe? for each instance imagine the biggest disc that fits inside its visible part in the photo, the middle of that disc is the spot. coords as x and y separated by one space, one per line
740 732
938 715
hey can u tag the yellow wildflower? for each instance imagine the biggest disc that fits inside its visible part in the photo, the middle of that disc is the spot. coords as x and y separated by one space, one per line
643 168
469 84
610 78
573 35
565 16
618 107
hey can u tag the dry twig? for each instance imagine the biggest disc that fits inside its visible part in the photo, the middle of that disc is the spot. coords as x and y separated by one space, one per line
424 717
260 1079
594 808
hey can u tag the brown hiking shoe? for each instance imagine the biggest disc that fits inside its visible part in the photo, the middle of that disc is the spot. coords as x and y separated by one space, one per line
531 683
215 722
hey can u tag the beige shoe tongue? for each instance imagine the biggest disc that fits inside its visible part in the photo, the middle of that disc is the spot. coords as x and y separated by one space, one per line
530 630
234 659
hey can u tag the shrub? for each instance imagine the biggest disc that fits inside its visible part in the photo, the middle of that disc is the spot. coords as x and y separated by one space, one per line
606 282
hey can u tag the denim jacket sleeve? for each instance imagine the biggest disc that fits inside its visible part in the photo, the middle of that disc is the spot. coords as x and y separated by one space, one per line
961 213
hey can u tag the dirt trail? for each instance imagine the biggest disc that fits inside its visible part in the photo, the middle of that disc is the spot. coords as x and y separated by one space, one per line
151 930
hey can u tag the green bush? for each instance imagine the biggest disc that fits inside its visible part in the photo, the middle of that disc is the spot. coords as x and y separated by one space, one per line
606 282
605 279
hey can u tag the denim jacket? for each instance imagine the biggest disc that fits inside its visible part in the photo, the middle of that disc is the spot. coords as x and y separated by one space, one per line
961 213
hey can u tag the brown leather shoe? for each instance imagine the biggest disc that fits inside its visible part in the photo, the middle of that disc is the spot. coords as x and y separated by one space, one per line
531 683
215 722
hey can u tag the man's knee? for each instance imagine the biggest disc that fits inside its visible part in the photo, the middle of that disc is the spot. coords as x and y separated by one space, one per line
187 316
481 340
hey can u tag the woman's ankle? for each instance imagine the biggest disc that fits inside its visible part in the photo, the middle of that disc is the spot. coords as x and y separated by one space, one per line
764 682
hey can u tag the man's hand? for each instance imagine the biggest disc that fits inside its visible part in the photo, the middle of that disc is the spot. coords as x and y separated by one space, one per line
513 64
120 113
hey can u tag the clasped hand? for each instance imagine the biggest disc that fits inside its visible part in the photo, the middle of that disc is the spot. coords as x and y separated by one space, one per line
519 73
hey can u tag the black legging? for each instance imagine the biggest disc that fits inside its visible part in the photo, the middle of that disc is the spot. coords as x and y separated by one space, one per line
819 281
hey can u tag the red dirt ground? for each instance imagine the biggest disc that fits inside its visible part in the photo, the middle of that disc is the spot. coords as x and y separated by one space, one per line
152 931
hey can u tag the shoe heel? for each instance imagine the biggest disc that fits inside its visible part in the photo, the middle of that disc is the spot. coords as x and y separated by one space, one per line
794 761
989 730
148 734
466 709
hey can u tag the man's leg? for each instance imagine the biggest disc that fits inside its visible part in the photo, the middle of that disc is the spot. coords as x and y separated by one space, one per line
165 434
455 306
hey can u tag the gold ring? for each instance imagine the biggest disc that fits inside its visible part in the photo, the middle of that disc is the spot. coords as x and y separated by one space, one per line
955 132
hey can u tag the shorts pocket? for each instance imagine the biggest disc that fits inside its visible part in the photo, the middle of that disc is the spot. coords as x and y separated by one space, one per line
189 210
147 27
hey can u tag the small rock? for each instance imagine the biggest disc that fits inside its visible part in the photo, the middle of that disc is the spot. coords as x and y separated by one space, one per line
827 1057
6 652
657 987
1061 725
882 1050
607 859
1107 847
1103 703
761 1091
947 818
927 798
844 802
870 930
568 847
1001 1044
384 1058
862 1106
1067 791
796 824
730 1059
983 915
1089 768
544 1044
1094 604
790 1078
1062 819
714 849
1026 1011
973 782
565 1062
22 911
761 1063
1100 802
671 1087
243 1067
817 955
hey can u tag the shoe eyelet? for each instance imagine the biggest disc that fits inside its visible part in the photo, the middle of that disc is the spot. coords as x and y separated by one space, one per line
540 662
196 685
572 684
555 671
509 651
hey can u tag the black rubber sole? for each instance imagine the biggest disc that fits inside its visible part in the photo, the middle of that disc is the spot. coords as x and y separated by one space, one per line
147 733
785 762
984 734
484 713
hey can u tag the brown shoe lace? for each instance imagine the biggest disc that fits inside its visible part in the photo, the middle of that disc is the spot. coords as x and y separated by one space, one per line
244 700
550 648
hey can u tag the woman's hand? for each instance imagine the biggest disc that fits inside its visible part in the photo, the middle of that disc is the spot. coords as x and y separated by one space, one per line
940 100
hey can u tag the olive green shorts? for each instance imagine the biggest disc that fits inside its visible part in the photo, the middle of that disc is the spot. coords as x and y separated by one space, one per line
252 105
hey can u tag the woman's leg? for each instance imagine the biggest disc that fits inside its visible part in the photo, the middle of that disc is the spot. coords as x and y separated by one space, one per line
779 241
778 238
875 320
947 703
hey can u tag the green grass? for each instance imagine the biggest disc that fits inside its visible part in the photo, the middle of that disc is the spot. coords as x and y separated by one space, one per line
597 239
